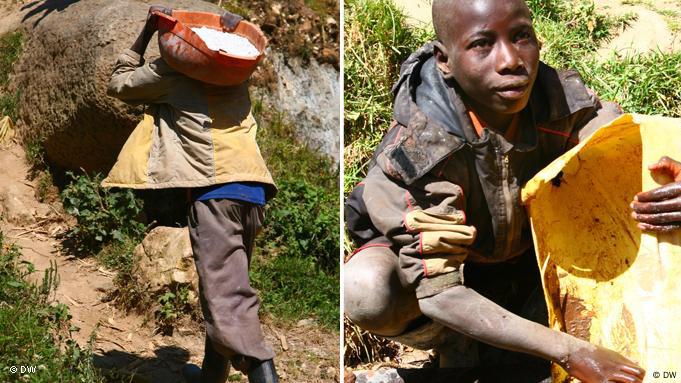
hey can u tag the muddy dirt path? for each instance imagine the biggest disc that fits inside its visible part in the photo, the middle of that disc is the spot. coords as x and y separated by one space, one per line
120 340
657 26
125 341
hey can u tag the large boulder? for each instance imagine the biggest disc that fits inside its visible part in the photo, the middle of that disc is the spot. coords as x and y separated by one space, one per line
165 259
309 94
62 76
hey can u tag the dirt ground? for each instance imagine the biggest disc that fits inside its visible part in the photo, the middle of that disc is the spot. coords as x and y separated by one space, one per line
125 341
657 26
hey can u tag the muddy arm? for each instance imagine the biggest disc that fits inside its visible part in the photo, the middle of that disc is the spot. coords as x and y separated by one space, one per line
150 26
462 309
133 80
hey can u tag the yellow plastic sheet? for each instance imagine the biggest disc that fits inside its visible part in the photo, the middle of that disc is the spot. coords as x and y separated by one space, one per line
604 280
6 131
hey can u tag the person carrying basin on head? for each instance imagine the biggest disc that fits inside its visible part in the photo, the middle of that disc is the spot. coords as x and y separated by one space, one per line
444 254
201 137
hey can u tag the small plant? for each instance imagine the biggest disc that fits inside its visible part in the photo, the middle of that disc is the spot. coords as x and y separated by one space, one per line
8 105
45 190
10 49
104 215
173 305
35 153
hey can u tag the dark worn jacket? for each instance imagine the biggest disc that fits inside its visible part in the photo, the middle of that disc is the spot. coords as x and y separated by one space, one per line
432 162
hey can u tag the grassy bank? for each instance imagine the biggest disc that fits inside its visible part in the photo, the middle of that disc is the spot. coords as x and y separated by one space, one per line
572 31
377 40
296 264
35 330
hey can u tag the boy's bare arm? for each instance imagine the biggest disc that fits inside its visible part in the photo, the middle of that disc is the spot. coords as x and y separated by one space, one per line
462 309
151 25
135 82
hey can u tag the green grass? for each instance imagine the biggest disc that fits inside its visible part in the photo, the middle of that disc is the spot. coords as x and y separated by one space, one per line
34 330
295 267
647 83
293 288
10 48
377 40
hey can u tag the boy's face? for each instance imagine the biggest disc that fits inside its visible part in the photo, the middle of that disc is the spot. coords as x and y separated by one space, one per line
490 49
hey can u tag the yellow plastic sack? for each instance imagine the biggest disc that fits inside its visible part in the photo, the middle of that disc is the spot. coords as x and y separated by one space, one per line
6 131
604 280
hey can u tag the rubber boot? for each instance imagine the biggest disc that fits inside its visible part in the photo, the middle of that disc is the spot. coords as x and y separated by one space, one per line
215 368
263 372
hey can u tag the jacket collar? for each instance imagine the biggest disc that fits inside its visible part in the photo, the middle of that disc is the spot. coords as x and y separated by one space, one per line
434 114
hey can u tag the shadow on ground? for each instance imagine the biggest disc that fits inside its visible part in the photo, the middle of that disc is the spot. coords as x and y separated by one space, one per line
508 374
163 367
45 7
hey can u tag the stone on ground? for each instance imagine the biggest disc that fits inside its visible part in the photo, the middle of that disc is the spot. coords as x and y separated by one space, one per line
165 259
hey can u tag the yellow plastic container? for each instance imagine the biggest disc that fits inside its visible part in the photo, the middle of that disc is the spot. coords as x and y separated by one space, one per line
186 52
604 280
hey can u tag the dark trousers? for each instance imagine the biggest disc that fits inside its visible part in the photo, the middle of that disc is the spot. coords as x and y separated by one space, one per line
222 233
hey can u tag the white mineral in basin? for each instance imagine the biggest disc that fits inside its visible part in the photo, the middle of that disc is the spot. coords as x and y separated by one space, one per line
229 42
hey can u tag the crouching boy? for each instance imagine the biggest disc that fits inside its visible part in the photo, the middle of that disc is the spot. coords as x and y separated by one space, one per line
445 254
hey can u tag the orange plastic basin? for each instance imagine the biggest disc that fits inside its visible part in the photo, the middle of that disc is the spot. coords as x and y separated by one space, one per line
185 52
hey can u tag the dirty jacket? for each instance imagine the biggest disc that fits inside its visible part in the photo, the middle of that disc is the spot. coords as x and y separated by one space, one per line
442 196
192 134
